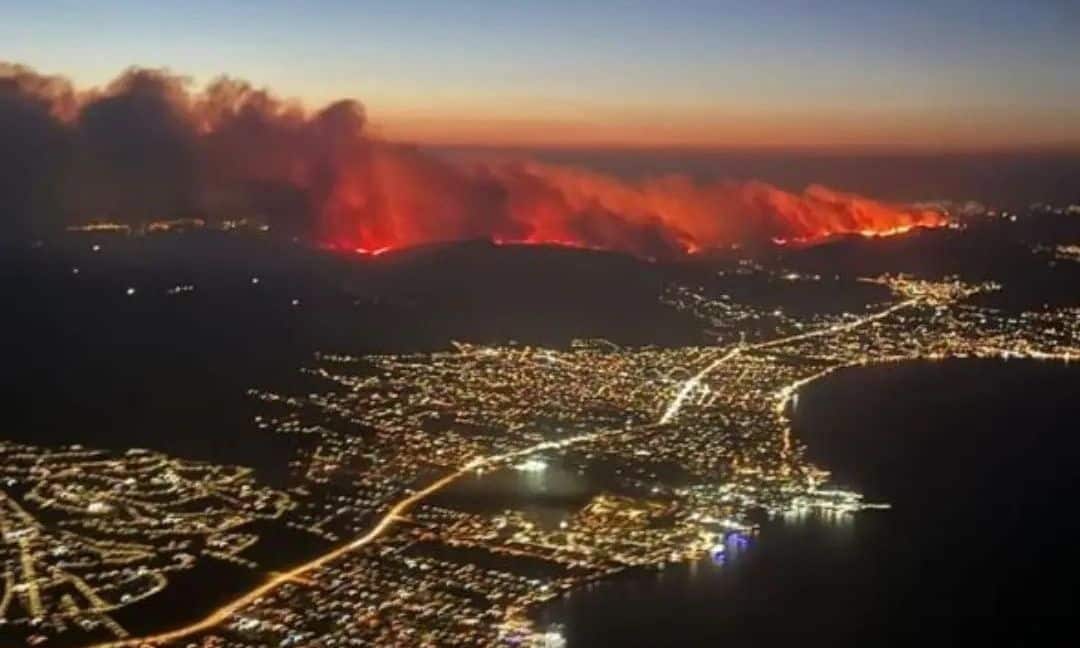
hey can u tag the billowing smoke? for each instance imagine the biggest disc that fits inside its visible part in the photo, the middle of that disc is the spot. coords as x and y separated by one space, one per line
148 147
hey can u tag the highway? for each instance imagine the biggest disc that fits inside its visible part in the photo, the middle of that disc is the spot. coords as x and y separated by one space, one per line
694 381
394 513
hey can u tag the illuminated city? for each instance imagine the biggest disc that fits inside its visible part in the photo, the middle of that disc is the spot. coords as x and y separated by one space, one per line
539 324
699 438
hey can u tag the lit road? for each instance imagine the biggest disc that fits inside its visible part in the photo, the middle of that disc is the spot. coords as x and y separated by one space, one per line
694 381
395 512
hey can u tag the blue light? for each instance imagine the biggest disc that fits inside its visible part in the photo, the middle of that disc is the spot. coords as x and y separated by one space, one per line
738 540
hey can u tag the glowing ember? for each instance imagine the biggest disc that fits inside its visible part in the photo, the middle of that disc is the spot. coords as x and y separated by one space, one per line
375 252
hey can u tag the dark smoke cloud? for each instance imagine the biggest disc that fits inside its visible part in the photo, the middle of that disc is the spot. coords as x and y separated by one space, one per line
147 147
138 152
35 149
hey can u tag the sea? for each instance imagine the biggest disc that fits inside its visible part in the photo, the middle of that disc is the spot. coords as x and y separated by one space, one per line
978 460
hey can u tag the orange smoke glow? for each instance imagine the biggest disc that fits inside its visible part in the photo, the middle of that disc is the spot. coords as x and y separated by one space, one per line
147 145
537 203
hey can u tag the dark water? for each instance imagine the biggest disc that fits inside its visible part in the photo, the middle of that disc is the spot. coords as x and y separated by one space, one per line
547 497
979 460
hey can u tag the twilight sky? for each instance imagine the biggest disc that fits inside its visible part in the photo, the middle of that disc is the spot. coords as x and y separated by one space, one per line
785 74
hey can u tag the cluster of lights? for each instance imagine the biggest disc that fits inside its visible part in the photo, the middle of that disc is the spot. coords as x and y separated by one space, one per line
721 413
177 290
90 532
532 466
389 431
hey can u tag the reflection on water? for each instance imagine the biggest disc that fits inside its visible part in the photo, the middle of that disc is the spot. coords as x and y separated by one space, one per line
978 460
548 494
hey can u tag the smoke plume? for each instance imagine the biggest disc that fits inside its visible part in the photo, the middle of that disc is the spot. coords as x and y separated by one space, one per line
147 146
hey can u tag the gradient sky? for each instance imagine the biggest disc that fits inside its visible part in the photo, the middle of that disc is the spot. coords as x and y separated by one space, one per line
914 75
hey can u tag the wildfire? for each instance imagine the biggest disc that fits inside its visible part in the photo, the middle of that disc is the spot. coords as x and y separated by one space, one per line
230 149
870 233
374 252
531 203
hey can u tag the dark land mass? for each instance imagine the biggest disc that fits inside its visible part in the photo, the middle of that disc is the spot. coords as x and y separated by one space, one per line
989 249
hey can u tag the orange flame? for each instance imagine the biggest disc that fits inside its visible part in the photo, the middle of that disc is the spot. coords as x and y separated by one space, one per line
410 200
147 144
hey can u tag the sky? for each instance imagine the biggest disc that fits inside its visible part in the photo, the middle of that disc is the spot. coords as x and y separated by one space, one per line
948 75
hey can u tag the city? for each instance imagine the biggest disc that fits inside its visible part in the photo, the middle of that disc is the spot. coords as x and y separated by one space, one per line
539 324
689 444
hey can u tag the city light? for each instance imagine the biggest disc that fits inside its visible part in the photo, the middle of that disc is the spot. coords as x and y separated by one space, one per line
720 413
532 465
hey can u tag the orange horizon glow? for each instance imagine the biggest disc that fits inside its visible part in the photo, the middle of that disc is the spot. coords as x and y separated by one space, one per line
358 190
837 131
482 119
